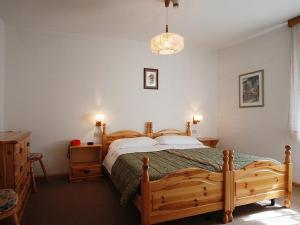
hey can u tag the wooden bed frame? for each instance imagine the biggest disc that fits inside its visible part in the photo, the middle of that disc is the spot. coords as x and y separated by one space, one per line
195 191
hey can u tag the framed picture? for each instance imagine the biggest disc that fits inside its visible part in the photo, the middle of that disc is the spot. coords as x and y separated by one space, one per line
150 78
251 89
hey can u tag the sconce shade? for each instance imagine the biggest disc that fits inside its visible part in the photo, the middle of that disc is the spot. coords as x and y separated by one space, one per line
99 119
197 118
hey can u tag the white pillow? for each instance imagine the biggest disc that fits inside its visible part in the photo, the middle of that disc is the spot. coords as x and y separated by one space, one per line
133 142
177 140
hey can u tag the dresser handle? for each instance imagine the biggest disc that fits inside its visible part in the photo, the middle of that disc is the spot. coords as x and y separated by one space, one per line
86 171
21 168
21 150
28 144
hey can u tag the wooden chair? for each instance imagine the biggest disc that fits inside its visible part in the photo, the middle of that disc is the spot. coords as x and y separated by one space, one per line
34 157
9 205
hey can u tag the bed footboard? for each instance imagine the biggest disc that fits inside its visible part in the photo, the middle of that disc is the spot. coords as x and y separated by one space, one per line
187 192
262 180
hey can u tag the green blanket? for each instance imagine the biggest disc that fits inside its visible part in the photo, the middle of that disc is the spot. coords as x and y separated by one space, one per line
127 170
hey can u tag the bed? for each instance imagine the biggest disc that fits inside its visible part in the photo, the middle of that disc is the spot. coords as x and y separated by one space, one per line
194 190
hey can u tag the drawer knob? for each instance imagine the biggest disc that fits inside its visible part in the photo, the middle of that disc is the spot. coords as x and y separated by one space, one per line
21 168
28 144
86 171
21 150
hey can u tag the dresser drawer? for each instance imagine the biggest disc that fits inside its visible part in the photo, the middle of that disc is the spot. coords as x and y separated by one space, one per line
27 144
86 170
21 170
23 185
21 152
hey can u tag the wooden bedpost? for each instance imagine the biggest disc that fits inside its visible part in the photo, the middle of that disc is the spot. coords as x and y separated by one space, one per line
103 134
188 129
149 130
104 141
228 185
289 177
145 195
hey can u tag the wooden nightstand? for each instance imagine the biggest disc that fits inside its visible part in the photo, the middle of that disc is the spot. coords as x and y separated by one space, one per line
85 162
211 142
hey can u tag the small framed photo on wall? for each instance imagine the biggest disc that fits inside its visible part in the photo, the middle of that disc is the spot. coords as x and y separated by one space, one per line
150 78
251 93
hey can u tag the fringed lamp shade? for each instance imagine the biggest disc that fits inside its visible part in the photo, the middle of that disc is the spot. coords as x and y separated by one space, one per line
167 43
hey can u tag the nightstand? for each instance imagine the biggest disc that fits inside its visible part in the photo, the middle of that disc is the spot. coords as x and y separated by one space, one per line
85 162
211 142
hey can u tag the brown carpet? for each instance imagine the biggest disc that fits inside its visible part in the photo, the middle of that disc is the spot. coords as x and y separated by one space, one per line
97 203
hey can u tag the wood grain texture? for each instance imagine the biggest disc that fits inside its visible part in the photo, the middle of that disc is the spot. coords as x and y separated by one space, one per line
187 132
184 193
15 165
108 138
294 21
288 177
85 162
211 142
194 191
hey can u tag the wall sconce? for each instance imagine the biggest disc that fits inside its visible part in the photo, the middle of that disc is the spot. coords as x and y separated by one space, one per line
99 119
197 118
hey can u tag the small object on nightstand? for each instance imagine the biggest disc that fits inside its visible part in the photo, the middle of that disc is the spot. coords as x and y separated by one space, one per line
85 162
210 142
75 142
90 143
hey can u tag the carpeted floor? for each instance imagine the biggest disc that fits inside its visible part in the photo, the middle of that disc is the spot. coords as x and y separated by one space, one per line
97 203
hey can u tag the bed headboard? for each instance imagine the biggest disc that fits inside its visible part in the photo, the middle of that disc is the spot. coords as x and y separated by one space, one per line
108 138
187 132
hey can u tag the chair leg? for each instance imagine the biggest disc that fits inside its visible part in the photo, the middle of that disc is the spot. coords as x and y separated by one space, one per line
33 179
16 219
44 169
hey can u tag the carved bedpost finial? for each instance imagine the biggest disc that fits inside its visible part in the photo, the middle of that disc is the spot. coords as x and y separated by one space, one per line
146 169
288 158
188 129
225 160
231 158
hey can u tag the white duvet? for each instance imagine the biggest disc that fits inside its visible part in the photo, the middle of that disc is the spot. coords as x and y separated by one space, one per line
113 154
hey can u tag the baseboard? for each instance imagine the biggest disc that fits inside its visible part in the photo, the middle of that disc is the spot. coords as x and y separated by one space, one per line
54 176
297 185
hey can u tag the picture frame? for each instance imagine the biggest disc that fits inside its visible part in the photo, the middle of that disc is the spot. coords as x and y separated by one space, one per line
150 78
251 89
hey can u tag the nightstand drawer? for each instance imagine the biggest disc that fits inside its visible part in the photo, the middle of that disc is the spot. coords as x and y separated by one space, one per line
86 169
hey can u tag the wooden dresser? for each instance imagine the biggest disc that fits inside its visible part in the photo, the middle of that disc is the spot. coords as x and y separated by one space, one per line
15 164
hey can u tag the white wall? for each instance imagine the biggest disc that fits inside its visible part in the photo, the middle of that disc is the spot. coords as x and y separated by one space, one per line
2 36
262 130
55 82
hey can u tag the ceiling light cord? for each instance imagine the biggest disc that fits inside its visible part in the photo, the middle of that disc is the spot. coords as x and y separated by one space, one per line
167 19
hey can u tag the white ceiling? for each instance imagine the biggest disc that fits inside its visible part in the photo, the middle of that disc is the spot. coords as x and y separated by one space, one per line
210 23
